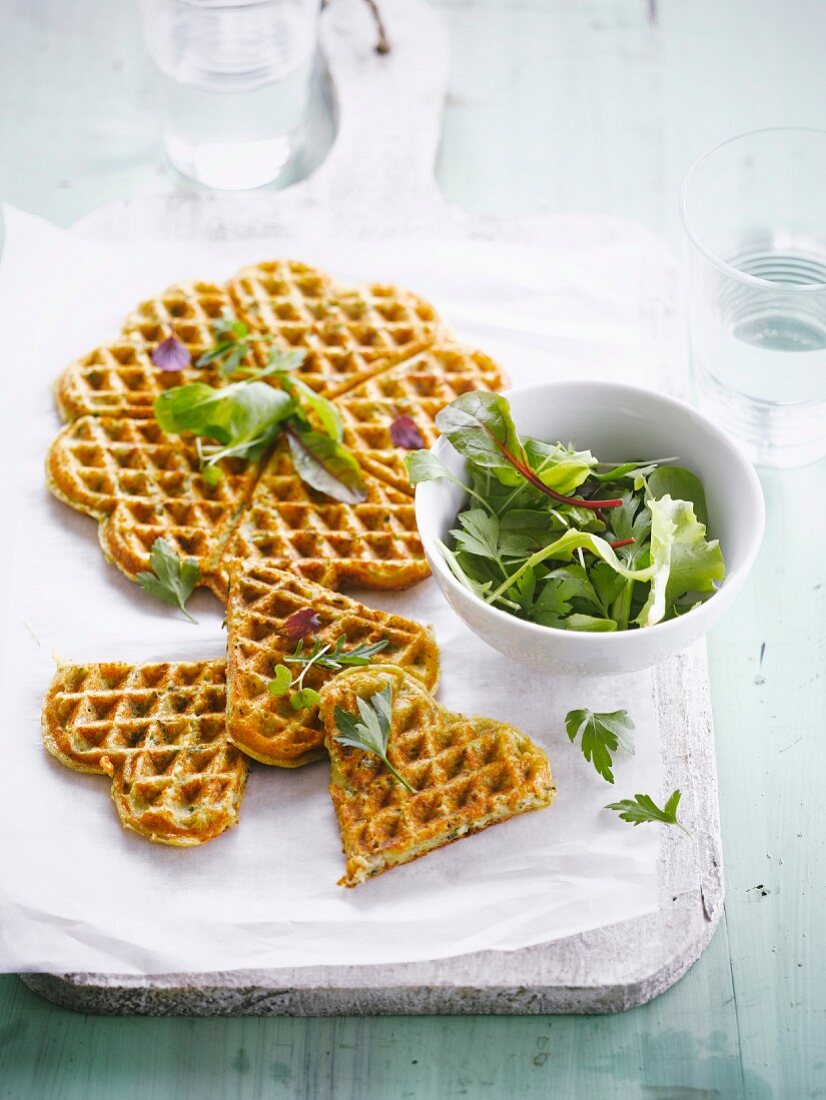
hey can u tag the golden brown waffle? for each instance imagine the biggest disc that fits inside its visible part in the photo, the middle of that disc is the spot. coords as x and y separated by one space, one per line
418 388
468 773
145 485
159 731
260 601
120 379
189 310
385 347
347 332
288 525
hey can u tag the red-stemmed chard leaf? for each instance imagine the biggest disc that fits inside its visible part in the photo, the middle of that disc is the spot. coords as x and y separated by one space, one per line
405 433
301 624
326 465
171 354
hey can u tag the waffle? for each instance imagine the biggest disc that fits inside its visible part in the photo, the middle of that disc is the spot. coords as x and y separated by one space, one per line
120 379
159 731
188 309
347 332
418 388
260 600
382 352
288 525
143 485
468 773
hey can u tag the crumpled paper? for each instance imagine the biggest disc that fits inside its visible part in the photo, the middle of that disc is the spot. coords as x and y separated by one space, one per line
79 893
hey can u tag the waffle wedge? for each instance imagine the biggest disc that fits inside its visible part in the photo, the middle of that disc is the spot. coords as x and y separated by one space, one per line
468 773
189 310
143 485
288 525
417 388
260 601
120 380
348 333
159 732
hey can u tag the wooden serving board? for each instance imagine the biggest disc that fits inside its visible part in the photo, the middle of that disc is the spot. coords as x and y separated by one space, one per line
378 181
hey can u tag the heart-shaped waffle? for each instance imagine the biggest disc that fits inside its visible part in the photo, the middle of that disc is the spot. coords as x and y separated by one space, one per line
261 601
467 774
159 731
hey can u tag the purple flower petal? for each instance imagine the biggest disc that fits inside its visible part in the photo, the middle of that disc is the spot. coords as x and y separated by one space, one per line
301 623
404 433
171 354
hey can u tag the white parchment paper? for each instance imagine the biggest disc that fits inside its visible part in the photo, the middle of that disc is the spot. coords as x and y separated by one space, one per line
79 893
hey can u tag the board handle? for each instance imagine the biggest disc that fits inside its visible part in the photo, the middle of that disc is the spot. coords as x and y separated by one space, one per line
388 110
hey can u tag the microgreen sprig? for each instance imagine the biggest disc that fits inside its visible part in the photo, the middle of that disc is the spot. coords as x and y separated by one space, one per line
232 345
332 657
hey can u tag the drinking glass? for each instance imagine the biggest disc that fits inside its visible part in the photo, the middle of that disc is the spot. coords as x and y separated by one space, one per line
754 213
233 79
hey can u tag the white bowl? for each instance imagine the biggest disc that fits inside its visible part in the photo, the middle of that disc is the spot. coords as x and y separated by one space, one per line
616 422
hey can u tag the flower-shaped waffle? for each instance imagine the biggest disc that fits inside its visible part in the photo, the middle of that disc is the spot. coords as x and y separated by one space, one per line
347 333
381 352
261 610
159 731
466 774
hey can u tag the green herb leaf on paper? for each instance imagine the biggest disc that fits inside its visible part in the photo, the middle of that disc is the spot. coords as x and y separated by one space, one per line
641 809
172 579
601 735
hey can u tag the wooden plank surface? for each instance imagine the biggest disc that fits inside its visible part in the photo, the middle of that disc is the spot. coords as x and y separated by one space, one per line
554 106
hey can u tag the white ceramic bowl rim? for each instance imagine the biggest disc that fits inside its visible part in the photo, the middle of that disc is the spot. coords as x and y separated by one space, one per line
733 579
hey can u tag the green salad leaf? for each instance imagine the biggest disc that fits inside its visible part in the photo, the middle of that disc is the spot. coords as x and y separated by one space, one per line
245 419
682 560
480 427
326 465
541 538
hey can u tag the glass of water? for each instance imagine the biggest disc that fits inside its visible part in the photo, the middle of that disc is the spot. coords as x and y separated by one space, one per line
754 212
233 82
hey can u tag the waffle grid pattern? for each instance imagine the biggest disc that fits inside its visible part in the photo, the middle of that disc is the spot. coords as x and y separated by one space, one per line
382 349
468 773
346 332
159 732
260 602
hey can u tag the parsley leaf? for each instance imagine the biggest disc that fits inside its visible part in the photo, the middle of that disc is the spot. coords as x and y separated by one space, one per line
602 735
370 729
171 580
642 808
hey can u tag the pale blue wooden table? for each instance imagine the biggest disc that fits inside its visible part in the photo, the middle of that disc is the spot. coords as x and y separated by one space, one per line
555 105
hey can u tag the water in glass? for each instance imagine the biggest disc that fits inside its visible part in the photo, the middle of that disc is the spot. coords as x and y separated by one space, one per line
233 85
